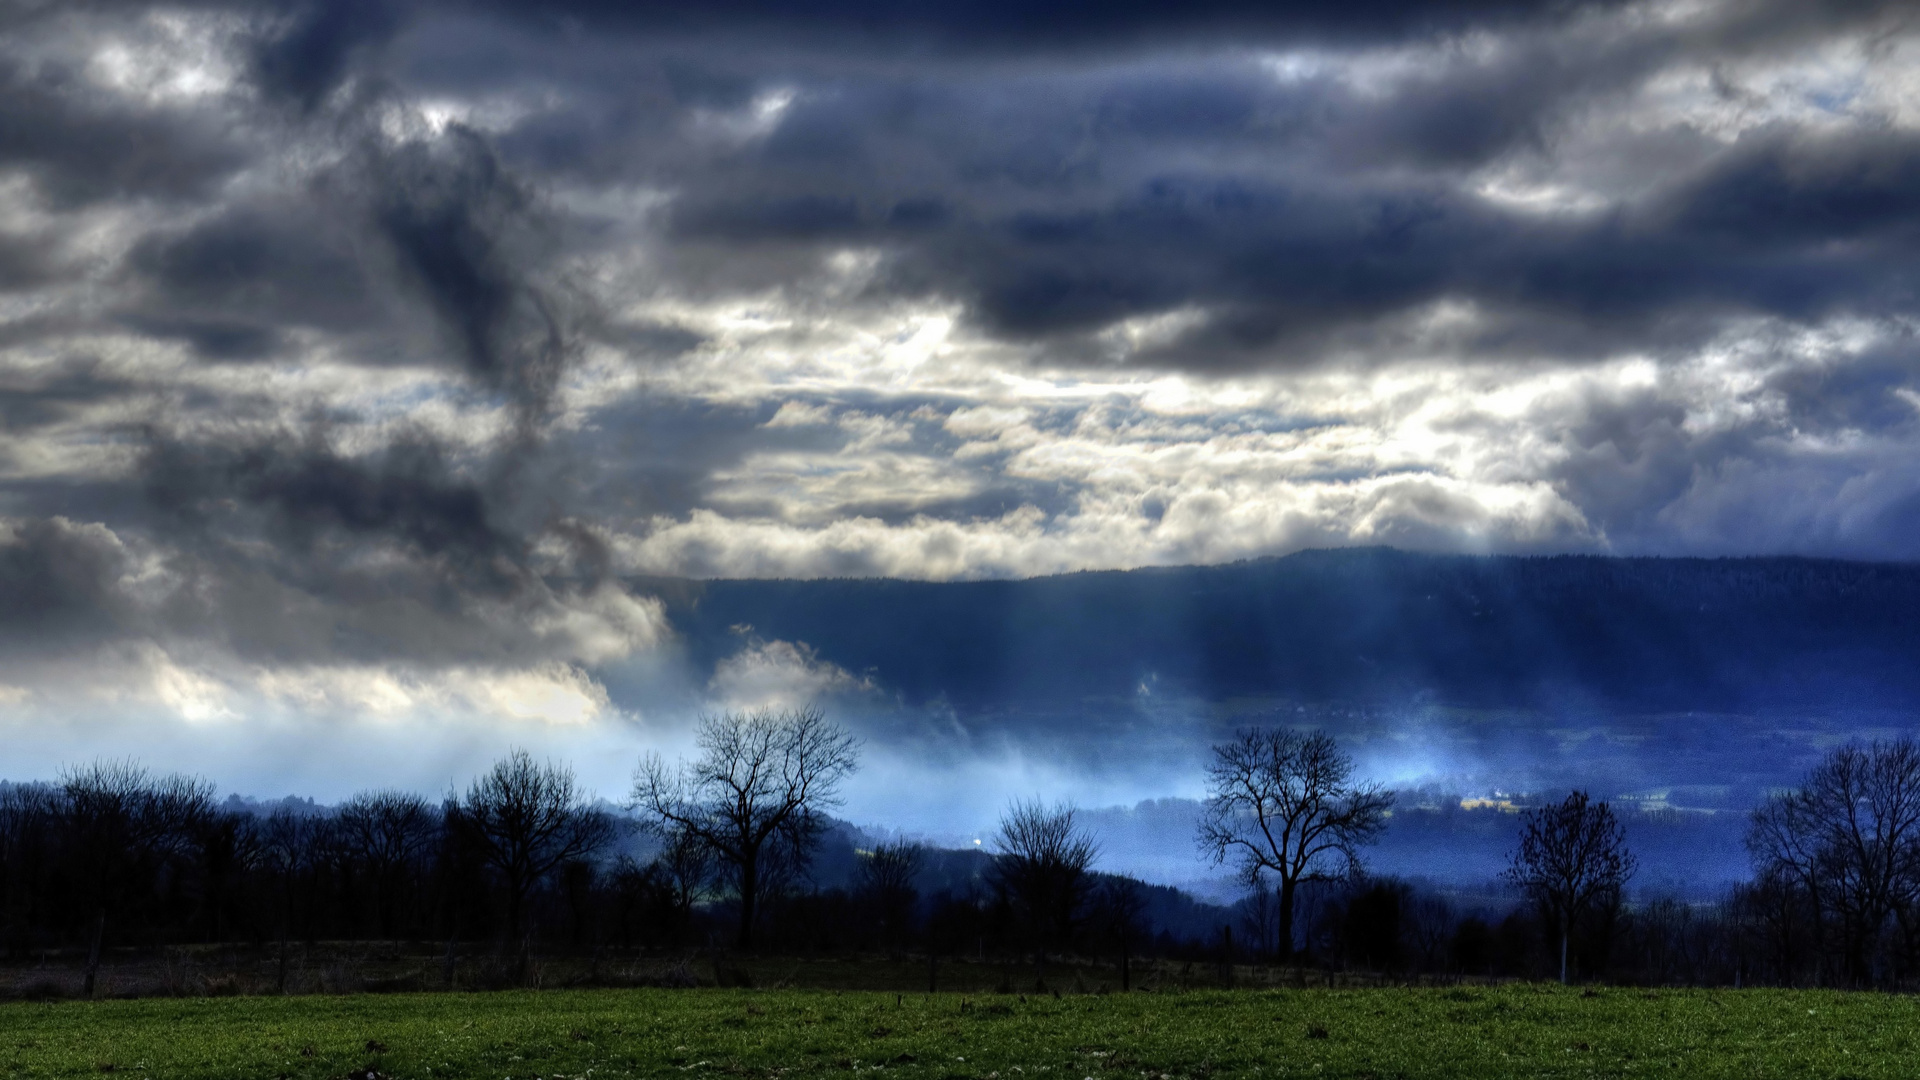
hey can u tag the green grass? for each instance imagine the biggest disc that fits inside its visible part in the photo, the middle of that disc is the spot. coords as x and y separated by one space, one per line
1511 1031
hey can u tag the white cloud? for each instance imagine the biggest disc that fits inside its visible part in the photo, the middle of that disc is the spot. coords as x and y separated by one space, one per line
780 674
199 686
800 414
601 625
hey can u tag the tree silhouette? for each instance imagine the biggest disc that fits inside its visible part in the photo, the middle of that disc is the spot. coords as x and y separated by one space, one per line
1849 838
885 880
387 833
1283 803
1122 905
122 825
754 795
291 844
1042 859
1572 860
528 818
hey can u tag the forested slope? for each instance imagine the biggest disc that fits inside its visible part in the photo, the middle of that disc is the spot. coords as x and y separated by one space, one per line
1360 625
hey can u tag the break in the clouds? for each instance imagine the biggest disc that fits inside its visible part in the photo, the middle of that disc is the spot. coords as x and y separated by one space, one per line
357 358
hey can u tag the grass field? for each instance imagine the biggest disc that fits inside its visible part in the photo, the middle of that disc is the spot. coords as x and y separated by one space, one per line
1509 1031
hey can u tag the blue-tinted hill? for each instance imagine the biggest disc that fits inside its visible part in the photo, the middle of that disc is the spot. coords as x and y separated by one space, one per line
1360 625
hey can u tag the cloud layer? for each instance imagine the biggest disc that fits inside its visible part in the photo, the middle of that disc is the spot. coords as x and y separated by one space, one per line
357 356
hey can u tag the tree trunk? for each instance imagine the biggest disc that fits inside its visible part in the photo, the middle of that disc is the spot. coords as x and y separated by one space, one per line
1039 958
1286 918
1566 931
1125 979
525 963
286 925
215 889
93 952
749 886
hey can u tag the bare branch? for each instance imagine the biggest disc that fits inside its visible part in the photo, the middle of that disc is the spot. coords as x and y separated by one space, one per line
1283 804
754 795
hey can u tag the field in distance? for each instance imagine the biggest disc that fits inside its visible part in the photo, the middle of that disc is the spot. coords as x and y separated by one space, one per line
1479 1032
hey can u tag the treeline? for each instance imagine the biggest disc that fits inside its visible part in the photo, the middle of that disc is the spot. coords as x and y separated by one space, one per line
734 850
1834 900
1401 929
111 856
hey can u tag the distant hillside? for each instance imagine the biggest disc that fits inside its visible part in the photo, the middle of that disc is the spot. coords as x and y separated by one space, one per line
1365 625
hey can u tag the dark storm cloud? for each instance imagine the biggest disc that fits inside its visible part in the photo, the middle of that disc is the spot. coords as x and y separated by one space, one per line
311 490
1656 483
307 47
60 582
1861 396
303 52
1784 225
27 261
312 498
466 235
82 146
1006 25
211 339
969 29
28 403
1296 214
1322 212
658 456
646 338
1628 454
307 52
289 549
435 224
1779 189
413 248
1297 218
288 264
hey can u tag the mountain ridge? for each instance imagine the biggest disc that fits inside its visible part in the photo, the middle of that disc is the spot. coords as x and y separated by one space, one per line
1363 625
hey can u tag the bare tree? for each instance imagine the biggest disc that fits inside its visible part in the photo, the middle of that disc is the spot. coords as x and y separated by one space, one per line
1850 838
1122 903
1572 861
1283 803
387 833
1042 863
229 845
1430 923
527 819
1775 913
754 795
1260 919
1785 843
122 824
885 879
291 843
29 814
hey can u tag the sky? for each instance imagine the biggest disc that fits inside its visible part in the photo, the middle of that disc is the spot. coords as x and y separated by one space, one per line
357 358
